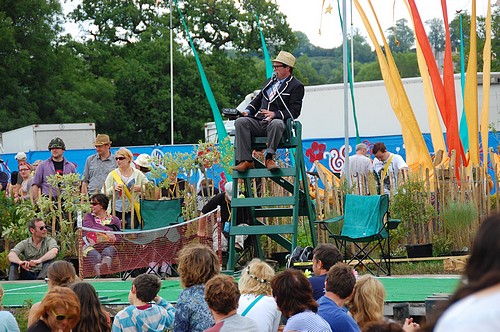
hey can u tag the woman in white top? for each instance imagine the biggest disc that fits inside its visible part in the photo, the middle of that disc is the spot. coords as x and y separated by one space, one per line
475 304
124 184
256 301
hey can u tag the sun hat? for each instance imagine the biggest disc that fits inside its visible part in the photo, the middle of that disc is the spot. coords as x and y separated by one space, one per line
102 139
285 58
20 156
228 188
143 160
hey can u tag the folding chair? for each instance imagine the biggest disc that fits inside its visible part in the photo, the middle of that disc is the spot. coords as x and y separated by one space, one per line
366 226
158 214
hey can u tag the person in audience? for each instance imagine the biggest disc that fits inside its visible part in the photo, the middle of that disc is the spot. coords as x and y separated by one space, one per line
93 317
339 285
26 180
223 200
58 312
367 304
8 322
256 300
98 165
206 192
324 257
59 273
38 252
124 184
222 295
98 249
197 264
140 315
383 326
474 305
293 294
56 164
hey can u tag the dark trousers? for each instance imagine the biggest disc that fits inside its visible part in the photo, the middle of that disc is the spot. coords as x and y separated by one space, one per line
18 273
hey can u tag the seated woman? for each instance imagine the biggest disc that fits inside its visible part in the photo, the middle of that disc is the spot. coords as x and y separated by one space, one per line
99 249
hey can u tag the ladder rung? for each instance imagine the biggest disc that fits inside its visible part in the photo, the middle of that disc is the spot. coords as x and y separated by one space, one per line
267 201
265 173
274 212
261 230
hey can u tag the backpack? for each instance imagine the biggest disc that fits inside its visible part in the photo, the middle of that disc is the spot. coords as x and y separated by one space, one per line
299 254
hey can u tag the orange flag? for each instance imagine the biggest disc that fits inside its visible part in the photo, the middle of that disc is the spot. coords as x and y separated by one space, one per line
444 91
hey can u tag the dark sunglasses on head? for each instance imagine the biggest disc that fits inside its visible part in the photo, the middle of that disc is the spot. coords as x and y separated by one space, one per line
120 158
60 317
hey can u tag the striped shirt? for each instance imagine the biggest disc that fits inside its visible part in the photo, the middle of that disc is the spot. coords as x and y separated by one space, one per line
150 318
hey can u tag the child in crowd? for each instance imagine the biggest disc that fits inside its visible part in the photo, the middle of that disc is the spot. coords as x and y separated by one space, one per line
141 315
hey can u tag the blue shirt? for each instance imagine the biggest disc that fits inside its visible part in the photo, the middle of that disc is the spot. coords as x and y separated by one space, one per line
337 317
318 286
192 313
154 318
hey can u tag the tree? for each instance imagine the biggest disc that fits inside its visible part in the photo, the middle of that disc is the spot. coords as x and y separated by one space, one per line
436 34
401 37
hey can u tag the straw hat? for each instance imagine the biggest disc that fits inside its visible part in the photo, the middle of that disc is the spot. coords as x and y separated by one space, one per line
285 58
102 139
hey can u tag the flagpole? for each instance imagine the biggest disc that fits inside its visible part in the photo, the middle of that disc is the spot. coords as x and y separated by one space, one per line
346 95
171 79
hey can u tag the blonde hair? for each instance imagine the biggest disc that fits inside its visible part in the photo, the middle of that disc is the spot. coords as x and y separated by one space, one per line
60 297
255 278
367 304
124 152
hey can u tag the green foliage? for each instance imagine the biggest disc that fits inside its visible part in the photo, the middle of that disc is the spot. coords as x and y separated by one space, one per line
21 314
14 219
457 219
411 205
400 37
442 245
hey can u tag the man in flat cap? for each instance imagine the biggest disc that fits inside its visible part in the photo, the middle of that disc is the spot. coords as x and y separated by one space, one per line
266 115
98 166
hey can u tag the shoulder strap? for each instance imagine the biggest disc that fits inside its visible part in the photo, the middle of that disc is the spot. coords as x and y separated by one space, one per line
119 180
252 304
386 167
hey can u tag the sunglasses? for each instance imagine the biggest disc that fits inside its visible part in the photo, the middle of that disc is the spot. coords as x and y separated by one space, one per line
60 317
280 66
24 169
94 203
41 228
120 158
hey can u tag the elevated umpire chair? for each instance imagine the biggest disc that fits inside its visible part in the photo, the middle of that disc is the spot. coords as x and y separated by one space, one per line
295 202
366 226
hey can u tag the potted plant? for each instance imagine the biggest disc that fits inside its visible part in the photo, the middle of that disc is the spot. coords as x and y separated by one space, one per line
412 205
457 219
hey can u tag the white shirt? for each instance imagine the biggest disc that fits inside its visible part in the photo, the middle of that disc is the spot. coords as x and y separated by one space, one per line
359 164
476 312
265 312
397 163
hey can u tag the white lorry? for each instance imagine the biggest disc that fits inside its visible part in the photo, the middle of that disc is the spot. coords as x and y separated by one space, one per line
37 137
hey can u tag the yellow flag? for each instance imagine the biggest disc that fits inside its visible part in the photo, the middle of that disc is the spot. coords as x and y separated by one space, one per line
470 92
416 150
486 87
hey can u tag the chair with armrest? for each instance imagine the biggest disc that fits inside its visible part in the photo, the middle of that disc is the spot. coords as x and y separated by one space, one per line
366 226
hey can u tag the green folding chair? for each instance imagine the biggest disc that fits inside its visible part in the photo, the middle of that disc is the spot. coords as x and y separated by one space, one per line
160 213
366 226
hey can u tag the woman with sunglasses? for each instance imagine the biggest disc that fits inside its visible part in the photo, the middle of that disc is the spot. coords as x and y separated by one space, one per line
99 248
27 178
124 184
58 312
